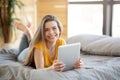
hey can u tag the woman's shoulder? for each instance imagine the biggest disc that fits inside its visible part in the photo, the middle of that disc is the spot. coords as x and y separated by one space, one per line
38 45
61 41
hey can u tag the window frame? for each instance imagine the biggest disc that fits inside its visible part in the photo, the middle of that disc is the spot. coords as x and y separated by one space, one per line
107 13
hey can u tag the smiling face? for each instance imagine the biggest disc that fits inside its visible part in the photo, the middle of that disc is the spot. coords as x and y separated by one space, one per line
51 31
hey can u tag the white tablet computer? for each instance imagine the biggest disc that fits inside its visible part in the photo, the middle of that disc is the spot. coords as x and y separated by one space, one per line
68 54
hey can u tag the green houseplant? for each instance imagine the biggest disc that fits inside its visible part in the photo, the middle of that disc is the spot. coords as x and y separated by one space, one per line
7 11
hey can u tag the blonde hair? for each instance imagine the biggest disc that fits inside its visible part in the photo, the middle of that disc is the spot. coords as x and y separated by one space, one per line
39 36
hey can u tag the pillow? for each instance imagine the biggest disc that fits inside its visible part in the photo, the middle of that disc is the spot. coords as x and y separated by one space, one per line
107 46
21 57
84 39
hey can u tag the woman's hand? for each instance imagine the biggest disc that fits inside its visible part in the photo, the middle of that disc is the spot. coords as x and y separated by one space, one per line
78 64
58 65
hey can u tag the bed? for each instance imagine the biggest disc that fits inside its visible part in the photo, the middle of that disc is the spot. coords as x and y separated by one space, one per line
100 54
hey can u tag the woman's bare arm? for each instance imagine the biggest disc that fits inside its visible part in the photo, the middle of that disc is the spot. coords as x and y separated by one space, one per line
39 62
39 59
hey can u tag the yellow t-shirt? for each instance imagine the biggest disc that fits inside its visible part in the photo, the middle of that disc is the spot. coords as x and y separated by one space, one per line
48 61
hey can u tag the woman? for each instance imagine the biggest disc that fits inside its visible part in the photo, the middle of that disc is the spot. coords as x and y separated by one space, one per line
43 49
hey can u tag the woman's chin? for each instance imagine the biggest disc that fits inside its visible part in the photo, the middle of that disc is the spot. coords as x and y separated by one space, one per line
52 40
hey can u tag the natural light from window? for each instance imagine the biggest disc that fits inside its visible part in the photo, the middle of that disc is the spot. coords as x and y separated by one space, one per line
116 21
85 19
83 0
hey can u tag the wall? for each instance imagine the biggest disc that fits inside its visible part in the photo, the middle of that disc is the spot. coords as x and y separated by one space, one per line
55 7
36 9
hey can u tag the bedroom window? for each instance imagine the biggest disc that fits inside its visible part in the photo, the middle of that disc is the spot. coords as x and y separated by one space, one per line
116 21
80 22
94 17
